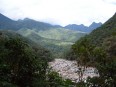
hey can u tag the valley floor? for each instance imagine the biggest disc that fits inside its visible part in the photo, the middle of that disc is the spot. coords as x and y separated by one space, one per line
69 70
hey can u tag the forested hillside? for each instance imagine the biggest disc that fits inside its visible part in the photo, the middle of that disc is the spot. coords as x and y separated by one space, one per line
98 49
20 61
57 40
107 30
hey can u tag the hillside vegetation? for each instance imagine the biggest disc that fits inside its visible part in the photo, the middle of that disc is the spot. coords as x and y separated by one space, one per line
98 49
57 40
20 62
25 64
105 31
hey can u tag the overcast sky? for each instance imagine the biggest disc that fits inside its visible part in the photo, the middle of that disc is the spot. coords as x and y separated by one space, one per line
61 12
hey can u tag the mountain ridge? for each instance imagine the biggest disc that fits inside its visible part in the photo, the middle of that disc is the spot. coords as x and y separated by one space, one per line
7 23
82 27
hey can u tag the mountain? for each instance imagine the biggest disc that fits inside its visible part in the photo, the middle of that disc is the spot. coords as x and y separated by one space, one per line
83 28
32 24
4 18
98 35
7 23
103 36
76 27
57 40
95 25
98 49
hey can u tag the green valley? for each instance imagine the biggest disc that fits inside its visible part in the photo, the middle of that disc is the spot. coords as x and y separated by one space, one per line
28 47
58 40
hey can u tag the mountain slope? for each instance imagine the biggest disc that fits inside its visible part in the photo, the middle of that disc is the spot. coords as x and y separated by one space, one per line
7 23
58 40
94 25
98 49
4 18
61 34
76 27
105 31
54 34
103 37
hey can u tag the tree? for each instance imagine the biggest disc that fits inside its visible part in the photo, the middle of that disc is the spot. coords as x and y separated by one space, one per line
54 80
84 50
20 65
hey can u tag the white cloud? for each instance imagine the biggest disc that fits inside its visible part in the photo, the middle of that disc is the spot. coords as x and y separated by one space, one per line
60 11
110 1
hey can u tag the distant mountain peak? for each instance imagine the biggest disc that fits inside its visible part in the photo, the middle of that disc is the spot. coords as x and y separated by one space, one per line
27 19
82 25
83 28
96 23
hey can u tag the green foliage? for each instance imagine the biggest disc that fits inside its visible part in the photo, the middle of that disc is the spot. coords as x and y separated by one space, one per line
54 80
102 59
109 45
84 51
89 55
61 34
99 50
95 82
20 64
26 65
70 55
81 84
57 40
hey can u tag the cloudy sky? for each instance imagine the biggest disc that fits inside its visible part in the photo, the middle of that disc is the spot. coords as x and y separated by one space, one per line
61 12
